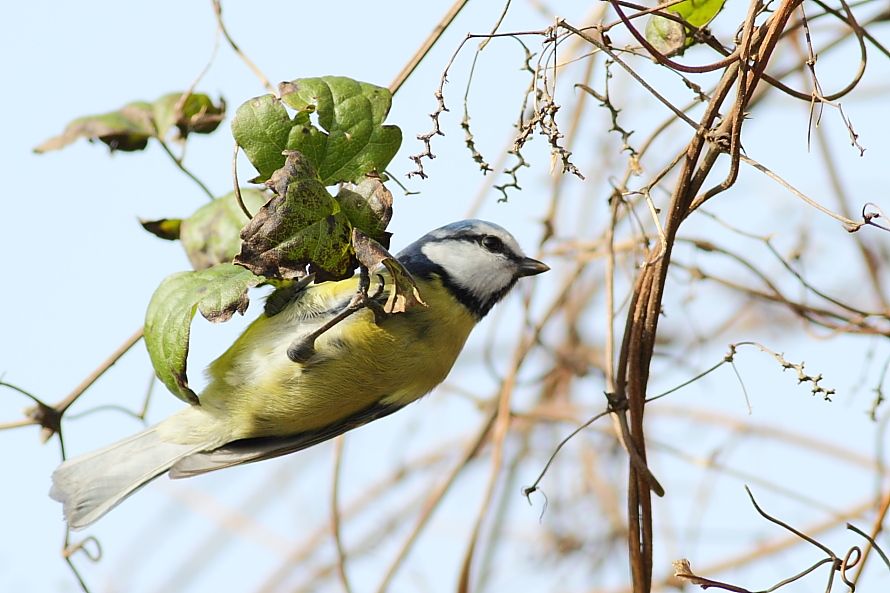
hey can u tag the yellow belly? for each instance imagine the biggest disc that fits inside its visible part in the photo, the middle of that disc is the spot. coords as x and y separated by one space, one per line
256 390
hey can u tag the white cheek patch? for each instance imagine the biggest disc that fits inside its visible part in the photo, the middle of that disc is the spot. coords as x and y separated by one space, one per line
476 270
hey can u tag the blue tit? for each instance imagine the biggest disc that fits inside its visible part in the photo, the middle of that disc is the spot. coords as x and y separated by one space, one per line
260 403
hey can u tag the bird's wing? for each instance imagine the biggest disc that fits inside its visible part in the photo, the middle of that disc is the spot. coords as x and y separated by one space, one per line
258 449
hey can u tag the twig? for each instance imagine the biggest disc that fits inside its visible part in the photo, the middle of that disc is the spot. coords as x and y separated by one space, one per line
335 514
63 405
180 104
877 528
788 527
217 11
427 45
767 549
849 224
603 47
663 59
69 549
528 490
178 162
435 498
50 417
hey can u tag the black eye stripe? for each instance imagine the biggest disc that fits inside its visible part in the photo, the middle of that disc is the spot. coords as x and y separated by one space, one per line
476 237
492 243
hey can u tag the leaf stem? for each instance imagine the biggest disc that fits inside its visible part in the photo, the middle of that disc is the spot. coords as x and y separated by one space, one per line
237 185
181 167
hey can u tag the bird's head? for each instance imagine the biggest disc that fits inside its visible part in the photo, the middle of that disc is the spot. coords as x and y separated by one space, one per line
478 261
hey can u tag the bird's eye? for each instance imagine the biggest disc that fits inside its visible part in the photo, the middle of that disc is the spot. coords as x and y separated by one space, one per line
493 244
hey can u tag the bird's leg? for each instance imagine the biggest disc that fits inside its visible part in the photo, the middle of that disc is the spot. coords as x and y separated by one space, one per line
371 301
364 281
301 350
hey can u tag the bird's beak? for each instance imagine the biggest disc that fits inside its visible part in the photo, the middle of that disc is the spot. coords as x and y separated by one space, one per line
531 267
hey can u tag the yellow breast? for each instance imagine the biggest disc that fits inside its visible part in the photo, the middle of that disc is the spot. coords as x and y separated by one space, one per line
258 391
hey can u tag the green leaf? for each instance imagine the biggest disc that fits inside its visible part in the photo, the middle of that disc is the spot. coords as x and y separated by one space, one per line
665 35
403 293
127 129
697 13
130 127
194 113
218 292
261 127
349 142
352 114
669 37
368 206
212 235
301 226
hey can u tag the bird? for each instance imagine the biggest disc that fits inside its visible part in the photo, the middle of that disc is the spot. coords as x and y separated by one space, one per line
261 401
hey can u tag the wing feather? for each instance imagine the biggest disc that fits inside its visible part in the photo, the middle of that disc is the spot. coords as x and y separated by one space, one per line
258 449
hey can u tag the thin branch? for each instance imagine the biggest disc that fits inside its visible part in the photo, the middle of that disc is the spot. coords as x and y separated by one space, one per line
603 47
877 528
69 549
335 514
427 45
179 165
134 339
217 11
528 490
788 527
50 417
435 498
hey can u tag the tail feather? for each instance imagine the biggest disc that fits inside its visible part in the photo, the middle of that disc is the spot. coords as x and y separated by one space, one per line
91 485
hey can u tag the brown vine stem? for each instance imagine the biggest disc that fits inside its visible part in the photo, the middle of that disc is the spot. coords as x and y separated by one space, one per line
69 549
642 11
847 222
630 71
427 45
645 307
180 104
663 59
